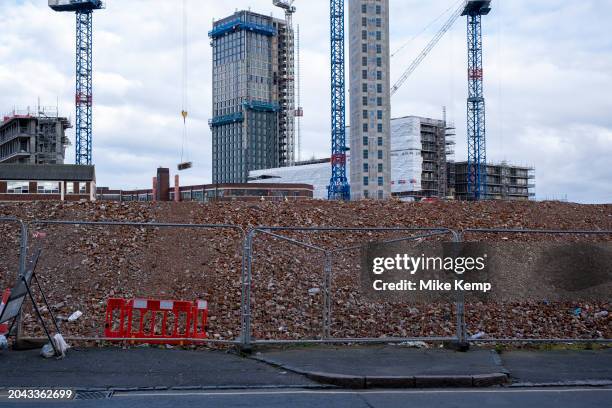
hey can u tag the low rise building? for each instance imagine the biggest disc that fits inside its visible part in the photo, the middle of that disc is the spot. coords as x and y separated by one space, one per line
32 182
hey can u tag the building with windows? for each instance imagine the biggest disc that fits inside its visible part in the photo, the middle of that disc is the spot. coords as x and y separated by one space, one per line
253 97
504 181
369 69
30 182
33 138
419 148
163 191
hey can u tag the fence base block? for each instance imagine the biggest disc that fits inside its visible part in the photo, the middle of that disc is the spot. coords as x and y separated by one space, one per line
462 346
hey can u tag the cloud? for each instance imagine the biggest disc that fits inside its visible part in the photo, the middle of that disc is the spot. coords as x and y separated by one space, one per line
548 75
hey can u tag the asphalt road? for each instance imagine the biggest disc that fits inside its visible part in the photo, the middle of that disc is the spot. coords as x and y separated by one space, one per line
500 398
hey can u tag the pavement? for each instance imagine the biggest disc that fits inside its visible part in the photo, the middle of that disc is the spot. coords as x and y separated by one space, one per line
144 369
141 368
390 366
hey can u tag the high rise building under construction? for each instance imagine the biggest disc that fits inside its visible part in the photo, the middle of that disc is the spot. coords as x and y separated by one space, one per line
253 96
370 169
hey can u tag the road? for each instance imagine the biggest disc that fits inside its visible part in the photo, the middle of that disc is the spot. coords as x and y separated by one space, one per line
468 398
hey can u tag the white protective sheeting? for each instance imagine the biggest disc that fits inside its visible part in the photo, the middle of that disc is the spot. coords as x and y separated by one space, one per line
406 163
406 159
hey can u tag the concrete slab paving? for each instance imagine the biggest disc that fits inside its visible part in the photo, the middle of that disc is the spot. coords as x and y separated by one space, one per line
559 367
140 368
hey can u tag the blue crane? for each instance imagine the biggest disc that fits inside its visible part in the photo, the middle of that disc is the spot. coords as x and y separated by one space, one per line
84 95
476 127
339 188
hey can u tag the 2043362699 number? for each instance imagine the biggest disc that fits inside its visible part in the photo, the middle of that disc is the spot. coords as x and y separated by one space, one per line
40 394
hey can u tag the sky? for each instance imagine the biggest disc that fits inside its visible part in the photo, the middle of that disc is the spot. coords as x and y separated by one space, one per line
547 67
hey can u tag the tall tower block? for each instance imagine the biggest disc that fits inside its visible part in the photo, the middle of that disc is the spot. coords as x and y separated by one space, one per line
370 130
476 126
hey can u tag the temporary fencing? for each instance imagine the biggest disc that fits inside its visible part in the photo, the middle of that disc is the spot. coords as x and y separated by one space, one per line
301 285
273 285
156 321
573 322
93 261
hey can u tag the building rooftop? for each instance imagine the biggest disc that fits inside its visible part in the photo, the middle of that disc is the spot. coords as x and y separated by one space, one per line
46 172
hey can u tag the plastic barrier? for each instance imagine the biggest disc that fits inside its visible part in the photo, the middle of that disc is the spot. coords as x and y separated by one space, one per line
4 327
156 321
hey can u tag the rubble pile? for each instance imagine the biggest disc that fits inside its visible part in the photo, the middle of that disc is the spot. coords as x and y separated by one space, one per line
82 266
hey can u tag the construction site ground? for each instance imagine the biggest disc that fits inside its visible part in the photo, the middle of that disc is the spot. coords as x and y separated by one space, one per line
82 266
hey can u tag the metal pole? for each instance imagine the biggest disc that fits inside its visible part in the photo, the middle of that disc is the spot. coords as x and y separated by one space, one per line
327 277
245 307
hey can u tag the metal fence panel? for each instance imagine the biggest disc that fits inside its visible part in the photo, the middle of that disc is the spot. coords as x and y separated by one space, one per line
310 278
85 263
533 322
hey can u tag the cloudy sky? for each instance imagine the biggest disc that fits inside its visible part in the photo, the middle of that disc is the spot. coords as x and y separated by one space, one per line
548 79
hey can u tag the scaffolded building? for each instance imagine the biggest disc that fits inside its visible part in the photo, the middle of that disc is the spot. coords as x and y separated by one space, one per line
33 138
253 96
504 182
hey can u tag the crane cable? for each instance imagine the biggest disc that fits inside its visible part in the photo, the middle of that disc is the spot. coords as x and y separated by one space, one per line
434 21
184 102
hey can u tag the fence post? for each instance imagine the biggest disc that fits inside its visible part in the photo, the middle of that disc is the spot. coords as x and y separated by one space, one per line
23 255
327 281
461 335
245 307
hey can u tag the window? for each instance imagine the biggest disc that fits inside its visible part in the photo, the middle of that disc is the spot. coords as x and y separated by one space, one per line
364 47
380 154
365 114
378 36
381 181
379 128
378 22
364 8
378 61
379 114
365 101
364 35
380 194
365 155
378 9
379 101
365 127
380 167
366 194
365 140
364 74
378 49
46 187
364 87
379 75
69 187
379 88
380 141
82 188
364 22
366 181
17 187
364 61
366 167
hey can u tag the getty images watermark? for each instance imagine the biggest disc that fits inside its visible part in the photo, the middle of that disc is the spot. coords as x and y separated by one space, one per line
432 271
421 265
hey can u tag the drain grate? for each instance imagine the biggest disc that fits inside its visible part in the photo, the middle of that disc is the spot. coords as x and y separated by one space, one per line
93 395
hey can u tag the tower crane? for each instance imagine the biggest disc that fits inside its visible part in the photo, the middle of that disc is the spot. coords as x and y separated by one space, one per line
430 46
476 129
84 89
339 188
287 93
